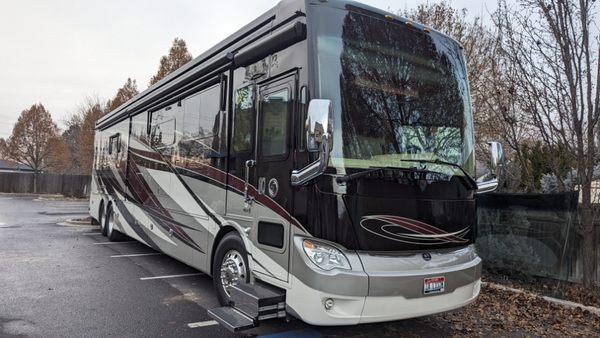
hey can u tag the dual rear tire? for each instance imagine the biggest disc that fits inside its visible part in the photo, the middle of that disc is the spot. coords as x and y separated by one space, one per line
108 227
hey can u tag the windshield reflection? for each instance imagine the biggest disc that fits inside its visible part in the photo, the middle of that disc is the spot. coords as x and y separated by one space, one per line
400 92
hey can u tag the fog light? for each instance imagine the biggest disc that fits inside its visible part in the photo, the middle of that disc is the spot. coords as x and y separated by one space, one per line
328 304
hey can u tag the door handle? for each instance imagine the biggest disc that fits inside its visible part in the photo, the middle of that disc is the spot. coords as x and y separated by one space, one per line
248 200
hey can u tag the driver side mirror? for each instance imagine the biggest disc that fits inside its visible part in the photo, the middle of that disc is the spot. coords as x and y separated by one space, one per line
319 138
496 159
318 123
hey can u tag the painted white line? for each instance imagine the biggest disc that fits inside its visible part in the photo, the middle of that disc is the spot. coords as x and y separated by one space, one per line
138 255
171 276
109 243
92 234
203 324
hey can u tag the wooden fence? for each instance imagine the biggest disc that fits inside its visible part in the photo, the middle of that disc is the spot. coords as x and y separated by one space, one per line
67 185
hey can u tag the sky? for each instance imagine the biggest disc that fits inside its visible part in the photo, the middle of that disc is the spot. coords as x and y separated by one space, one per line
60 52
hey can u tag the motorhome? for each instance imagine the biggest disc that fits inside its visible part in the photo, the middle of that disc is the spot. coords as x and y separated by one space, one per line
318 163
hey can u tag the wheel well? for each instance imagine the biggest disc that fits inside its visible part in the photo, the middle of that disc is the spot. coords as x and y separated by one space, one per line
222 232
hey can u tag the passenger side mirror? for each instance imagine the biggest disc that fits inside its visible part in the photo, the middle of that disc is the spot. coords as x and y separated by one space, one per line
319 138
496 158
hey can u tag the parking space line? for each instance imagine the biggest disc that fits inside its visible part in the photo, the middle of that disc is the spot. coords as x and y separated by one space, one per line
92 233
202 324
138 255
109 243
171 276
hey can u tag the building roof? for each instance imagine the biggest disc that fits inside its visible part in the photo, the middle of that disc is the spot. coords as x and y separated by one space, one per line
6 165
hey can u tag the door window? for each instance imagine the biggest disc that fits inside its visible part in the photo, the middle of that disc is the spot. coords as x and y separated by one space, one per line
275 108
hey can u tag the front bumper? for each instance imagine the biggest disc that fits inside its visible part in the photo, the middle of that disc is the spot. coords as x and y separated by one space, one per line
381 288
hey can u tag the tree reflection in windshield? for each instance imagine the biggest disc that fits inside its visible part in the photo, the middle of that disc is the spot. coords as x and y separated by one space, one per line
402 91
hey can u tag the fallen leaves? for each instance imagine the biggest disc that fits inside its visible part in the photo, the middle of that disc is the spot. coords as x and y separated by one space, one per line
501 312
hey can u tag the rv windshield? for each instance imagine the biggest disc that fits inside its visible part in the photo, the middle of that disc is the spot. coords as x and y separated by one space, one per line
399 93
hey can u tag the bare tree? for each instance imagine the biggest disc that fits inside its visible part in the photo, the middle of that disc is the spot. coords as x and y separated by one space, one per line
177 57
123 95
32 138
3 149
88 115
555 64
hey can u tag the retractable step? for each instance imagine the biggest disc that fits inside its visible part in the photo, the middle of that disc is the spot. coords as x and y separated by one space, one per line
250 304
258 301
231 319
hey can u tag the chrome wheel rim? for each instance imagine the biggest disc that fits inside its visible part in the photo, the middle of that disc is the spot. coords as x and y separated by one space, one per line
233 270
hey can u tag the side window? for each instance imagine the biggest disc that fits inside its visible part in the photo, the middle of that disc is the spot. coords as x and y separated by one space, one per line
243 122
275 109
200 113
114 145
139 127
162 132
201 125
302 121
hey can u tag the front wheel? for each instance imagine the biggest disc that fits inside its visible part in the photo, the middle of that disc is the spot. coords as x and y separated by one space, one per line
230 266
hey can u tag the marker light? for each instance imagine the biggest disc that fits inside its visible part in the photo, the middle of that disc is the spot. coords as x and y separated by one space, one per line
325 256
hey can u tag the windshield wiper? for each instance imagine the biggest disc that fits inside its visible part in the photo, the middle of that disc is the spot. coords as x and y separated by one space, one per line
352 177
468 177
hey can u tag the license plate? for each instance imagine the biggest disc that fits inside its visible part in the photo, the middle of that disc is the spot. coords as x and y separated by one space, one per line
434 285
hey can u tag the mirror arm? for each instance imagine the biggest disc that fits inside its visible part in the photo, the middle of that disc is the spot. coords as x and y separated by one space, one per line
315 169
487 186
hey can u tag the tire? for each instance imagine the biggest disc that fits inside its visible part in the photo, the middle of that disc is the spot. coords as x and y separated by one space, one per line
113 234
230 251
102 219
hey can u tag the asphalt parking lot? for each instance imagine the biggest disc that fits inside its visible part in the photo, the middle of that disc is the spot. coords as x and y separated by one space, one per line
64 280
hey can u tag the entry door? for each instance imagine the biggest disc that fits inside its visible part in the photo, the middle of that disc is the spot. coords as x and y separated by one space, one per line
274 161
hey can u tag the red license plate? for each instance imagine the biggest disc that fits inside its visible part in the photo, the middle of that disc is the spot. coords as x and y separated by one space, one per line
434 285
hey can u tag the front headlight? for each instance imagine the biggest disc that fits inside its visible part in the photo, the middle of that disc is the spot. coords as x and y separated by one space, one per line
325 256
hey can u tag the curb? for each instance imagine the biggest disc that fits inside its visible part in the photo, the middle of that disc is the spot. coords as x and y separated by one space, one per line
557 301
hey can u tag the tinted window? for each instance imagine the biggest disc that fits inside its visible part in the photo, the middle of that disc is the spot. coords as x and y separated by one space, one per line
274 115
398 92
200 112
243 120
163 128
201 125
139 127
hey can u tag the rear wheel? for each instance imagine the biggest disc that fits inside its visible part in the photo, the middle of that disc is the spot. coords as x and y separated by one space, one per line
101 219
230 266
113 234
